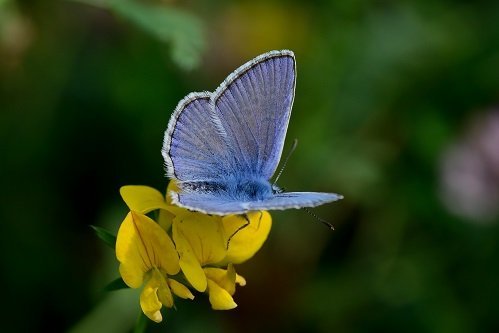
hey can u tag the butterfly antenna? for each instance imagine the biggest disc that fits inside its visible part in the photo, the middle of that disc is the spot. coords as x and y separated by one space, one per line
293 147
326 223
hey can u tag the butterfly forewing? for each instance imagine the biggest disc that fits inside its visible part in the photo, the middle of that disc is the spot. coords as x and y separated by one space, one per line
252 109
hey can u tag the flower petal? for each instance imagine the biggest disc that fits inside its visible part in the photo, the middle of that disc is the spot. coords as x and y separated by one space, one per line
165 219
240 280
226 279
205 234
164 293
130 253
219 298
141 245
247 241
180 290
188 262
143 199
149 301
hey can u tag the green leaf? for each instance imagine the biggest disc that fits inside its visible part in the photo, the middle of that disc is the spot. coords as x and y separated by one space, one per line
116 284
183 30
105 235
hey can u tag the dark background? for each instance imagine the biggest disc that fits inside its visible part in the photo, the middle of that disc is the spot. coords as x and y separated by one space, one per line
395 108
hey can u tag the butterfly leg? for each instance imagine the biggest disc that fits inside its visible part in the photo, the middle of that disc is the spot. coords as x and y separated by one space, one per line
246 223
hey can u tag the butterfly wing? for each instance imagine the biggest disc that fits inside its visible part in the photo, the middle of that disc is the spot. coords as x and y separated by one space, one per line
207 203
251 110
239 129
193 149
213 204
287 200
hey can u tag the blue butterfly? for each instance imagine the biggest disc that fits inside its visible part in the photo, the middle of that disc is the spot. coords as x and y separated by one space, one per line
223 147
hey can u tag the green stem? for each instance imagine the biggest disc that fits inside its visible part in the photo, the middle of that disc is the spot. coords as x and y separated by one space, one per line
141 323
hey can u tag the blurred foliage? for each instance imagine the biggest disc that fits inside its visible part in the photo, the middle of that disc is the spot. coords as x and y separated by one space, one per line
383 89
105 235
181 29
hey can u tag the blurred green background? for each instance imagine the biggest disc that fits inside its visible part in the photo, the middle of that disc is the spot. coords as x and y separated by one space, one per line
395 108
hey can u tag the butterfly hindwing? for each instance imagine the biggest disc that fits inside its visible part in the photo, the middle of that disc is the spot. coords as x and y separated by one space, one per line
287 200
193 149
214 204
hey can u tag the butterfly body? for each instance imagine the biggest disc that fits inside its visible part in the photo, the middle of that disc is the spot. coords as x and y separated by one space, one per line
222 148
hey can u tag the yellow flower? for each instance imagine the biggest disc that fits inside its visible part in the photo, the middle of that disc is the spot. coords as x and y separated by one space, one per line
222 285
200 240
147 255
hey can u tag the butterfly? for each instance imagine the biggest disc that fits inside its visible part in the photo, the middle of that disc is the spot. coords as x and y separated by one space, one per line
223 147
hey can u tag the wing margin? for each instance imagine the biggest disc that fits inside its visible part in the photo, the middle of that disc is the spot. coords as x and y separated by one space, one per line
211 204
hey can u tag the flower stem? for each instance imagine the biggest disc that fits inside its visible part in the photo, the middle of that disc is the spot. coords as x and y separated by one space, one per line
141 323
